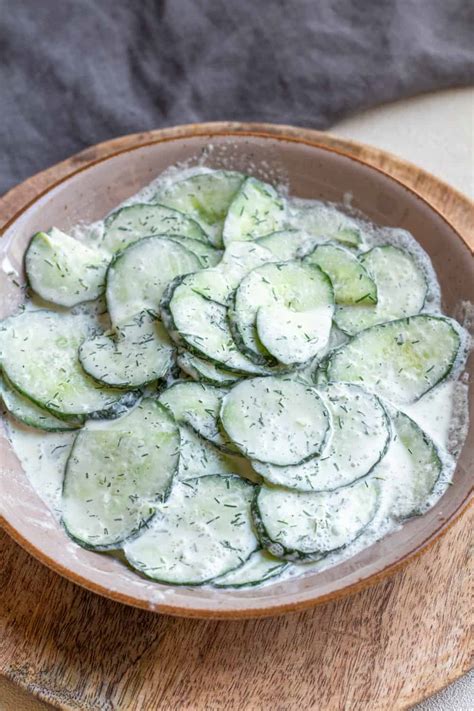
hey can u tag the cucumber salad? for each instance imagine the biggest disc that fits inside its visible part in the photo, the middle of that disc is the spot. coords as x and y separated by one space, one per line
221 384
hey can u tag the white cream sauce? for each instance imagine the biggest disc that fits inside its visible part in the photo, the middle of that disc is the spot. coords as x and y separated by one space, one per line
441 413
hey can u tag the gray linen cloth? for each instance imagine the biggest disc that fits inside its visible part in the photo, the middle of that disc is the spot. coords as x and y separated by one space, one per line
75 72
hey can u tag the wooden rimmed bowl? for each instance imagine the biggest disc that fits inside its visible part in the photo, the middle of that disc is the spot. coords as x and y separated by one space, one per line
86 188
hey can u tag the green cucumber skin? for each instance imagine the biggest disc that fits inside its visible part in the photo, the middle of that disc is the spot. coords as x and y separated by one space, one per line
166 315
69 426
417 510
29 286
259 359
416 261
111 546
168 321
218 445
125 386
130 398
210 220
362 259
34 425
325 370
290 554
279 569
383 452
119 255
203 237
199 377
185 583
122 386
118 544
265 358
191 584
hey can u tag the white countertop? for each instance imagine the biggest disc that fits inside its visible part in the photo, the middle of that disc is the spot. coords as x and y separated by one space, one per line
435 131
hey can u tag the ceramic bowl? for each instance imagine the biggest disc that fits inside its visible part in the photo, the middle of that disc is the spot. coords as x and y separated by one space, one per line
88 187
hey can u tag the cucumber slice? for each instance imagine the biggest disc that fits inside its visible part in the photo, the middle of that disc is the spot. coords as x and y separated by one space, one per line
400 360
350 280
425 467
30 414
287 245
275 420
201 370
360 438
116 475
197 405
138 276
401 290
200 325
202 531
256 210
208 255
133 222
206 198
137 353
297 525
239 259
198 457
39 355
287 308
261 566
325 222
63 270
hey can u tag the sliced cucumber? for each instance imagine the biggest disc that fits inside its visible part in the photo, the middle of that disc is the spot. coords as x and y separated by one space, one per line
401 290
261 566
275 420
425 467
137 353
30 414
116 475
39 355
133 222
360 437
200 325
197 405
325 222
202 370
239 258
204 197
201 532
350 280
256 210
297 525
286 245
208 255
138 276
287 308
401 360
198 457
63 270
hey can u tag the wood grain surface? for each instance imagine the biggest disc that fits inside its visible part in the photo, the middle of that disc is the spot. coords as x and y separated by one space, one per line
384 648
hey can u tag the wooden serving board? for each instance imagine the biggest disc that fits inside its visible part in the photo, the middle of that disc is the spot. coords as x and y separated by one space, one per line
384 648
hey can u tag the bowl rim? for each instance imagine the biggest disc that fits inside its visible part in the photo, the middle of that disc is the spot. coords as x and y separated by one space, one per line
285 133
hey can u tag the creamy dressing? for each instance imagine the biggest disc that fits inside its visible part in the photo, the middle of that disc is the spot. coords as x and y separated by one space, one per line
441 413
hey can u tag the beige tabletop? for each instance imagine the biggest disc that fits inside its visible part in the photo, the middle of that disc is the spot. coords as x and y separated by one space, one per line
435 131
